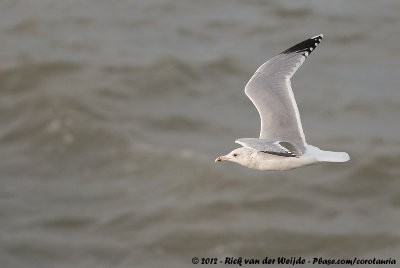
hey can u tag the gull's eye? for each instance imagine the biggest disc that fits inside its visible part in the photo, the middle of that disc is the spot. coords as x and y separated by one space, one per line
235 155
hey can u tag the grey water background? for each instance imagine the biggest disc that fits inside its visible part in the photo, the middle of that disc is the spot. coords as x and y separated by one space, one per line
112 113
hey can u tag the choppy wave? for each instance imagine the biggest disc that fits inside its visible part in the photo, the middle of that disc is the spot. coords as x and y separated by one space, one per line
112 115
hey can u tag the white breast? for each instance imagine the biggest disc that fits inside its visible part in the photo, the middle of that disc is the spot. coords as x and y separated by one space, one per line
263 161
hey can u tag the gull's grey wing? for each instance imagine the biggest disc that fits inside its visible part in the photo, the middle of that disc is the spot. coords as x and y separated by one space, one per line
270 91
270 147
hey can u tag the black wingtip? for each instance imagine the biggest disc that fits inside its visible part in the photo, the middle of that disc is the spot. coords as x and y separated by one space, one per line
305 47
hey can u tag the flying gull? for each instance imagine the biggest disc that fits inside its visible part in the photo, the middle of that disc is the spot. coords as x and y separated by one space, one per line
282 145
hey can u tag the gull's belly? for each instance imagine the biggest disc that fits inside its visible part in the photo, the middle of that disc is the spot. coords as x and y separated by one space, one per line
263 162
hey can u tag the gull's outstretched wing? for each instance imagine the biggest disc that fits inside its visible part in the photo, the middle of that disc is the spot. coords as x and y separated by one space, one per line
270 91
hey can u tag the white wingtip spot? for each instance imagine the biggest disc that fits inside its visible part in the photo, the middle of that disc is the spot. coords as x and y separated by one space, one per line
320 35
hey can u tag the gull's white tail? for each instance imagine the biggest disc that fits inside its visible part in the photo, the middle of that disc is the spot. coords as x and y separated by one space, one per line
327 156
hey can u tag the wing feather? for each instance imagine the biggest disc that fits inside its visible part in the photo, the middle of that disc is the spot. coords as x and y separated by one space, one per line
270 91
269 147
